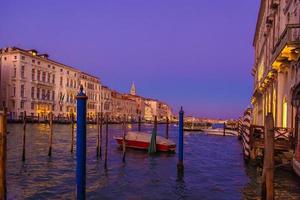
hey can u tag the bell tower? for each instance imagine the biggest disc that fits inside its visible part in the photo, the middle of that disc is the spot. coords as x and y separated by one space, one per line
132 89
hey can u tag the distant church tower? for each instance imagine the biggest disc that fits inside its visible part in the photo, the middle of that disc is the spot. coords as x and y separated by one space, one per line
132 89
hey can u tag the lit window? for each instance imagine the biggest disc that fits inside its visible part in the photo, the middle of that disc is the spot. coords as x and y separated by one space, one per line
284 113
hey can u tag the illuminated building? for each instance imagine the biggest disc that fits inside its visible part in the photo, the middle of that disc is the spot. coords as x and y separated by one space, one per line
34 83
276 64
123 106
92 89
106 100
156 108
276 44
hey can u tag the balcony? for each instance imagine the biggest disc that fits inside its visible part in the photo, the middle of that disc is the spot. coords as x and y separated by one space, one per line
274 4
287 49
264 83
43 83
43 101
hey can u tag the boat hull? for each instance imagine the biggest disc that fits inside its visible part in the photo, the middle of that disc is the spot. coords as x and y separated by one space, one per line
144 145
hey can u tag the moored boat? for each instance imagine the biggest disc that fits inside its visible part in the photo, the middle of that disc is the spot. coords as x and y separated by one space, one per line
141 140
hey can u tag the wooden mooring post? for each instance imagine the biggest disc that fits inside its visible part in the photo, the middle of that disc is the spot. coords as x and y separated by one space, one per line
81 145
100 142
139 124
98 134
268 168
167 128
51 133
224 129
124 138
24 137
106 143
3 132
72 133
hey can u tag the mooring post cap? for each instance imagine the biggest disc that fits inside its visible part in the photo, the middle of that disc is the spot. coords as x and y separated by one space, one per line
181 110
81 94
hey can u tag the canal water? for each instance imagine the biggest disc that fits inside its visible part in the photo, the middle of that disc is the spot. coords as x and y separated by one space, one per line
214 168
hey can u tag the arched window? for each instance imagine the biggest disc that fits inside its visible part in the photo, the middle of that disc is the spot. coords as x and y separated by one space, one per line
284 113
274 104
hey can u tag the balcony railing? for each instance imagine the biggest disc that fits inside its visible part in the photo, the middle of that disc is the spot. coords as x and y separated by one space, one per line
44 83
289 37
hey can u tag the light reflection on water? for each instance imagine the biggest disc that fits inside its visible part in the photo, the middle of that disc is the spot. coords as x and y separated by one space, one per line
214 168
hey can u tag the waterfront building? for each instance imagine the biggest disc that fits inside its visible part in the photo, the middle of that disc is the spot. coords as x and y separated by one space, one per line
123 106
140 104
139 100
33 83
156 108
276 65
92 88
106 100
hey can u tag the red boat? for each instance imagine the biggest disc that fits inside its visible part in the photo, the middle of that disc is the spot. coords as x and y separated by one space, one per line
141 140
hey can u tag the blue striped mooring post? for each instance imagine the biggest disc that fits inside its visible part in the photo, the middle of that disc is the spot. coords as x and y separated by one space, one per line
81 145
180 166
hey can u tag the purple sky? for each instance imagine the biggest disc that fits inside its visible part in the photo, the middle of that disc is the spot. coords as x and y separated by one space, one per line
193 53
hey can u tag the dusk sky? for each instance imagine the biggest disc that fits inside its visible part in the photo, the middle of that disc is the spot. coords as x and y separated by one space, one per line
193 53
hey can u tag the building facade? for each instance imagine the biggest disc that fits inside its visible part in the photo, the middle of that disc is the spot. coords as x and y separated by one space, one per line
275 71
276 64
156 108
106 100
37 85
92 88
123 106
32 83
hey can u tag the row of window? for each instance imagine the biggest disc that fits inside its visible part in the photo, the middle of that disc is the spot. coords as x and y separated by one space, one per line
70 98
42 94
32 106
42 76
